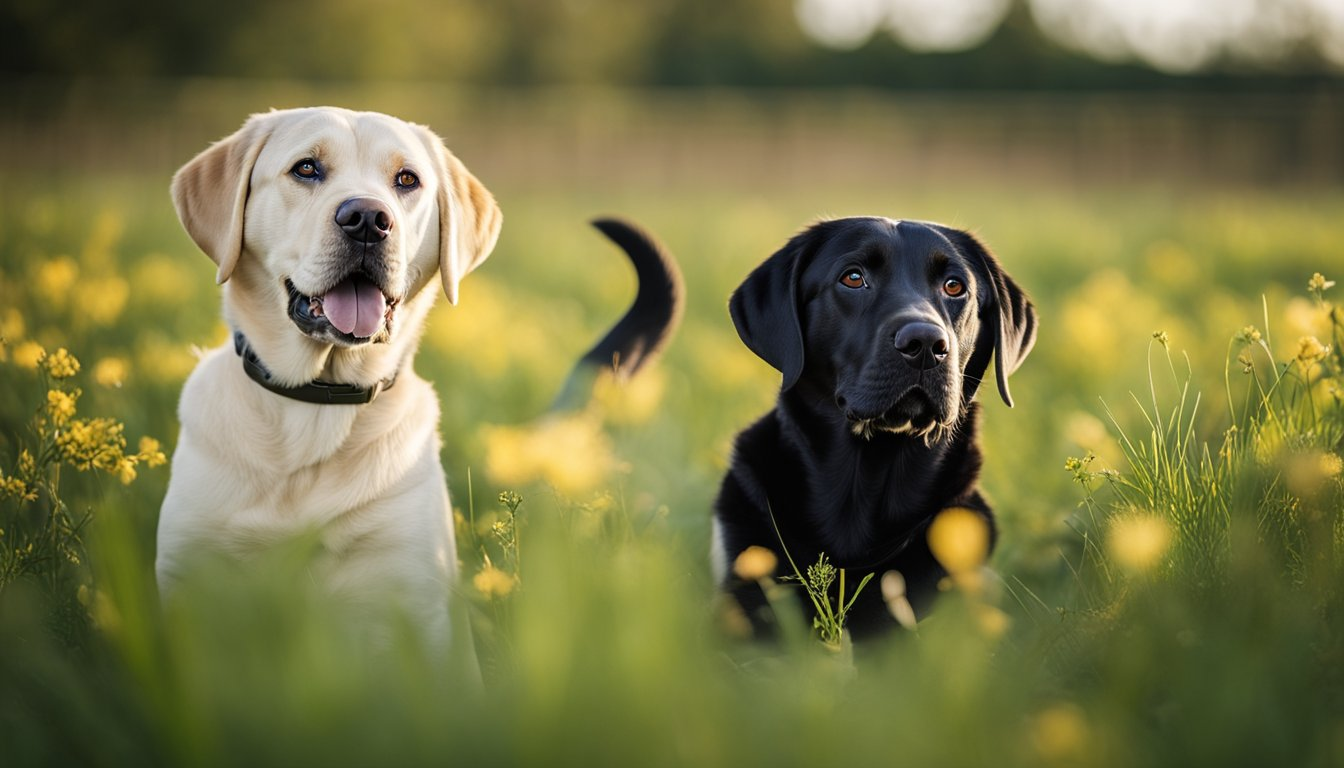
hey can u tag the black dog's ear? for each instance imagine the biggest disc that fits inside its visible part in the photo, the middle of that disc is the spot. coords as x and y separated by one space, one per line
1007 320
765 309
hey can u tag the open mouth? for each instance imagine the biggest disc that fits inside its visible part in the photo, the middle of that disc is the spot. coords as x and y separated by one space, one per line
914 412
354 311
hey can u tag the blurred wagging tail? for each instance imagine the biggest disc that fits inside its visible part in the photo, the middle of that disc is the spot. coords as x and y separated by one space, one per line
331 229
883 331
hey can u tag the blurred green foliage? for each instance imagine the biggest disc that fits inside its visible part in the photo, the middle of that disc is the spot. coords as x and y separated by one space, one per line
754 43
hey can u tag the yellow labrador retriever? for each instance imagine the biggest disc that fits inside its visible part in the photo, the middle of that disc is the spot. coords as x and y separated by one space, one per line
329 228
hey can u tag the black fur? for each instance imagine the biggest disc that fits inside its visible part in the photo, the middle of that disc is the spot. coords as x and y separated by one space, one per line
641 333
868 441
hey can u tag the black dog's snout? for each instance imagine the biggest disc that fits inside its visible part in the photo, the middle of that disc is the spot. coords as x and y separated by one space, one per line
923 345
365 219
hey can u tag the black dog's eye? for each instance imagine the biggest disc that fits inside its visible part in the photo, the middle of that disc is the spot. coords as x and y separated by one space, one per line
953 287
852 278
407 180
306 169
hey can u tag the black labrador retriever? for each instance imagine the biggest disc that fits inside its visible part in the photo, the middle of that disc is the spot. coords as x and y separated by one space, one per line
882 330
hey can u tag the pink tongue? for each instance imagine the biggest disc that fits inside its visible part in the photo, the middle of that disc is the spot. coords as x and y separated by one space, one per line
356 307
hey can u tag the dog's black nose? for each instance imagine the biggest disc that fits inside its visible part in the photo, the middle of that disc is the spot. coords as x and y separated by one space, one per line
923 345
365 219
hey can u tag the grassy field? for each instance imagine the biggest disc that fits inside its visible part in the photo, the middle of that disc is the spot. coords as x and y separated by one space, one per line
1166 591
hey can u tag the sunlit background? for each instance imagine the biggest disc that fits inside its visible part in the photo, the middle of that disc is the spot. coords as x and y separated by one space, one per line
1163 176
1176 36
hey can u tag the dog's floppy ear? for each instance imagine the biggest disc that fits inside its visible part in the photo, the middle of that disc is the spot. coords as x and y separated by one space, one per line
1007 319
469 217
210 193
764 309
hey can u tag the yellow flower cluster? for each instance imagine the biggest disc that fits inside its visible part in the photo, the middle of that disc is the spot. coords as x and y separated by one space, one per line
92 443
493 582
13 487
20 486
61 406
27 464
100 444
151 453
1318 284
1310 350
60 364
84 444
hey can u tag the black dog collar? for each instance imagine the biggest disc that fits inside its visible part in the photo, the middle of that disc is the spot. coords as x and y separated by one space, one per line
319 392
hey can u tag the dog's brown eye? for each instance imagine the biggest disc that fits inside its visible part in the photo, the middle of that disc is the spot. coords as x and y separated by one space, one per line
407 180
852 279
953 287
306 169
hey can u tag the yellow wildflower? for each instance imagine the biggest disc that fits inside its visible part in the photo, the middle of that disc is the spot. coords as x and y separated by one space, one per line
60 364
1138 541
492 582
61 406
151 453
1249 335
12 487
959 538
1310 350
755 563
125 470
1161 337
110 371
1246 362
29 354
1075 465
53 279
1318 284
92 443
27 464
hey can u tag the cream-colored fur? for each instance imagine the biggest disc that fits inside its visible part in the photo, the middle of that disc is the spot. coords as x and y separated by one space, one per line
252 467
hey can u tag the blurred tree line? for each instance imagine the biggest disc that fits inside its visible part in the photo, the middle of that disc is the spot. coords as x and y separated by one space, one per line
544 42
